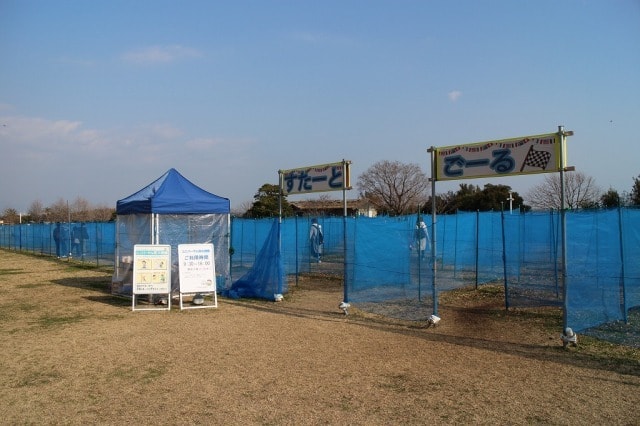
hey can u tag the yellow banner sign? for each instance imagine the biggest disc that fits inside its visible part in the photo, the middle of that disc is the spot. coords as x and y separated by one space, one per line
325 177
524 155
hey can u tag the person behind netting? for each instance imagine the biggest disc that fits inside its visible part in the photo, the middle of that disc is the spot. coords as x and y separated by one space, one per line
57 237
76 235
420 236
65 242
316 239
84 238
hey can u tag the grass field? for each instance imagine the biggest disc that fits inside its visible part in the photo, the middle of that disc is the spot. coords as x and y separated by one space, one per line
73 354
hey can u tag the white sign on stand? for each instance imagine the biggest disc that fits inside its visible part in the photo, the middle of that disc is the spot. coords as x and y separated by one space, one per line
197 275
152 274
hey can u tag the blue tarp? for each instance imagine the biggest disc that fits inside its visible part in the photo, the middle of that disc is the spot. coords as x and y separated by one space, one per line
172 193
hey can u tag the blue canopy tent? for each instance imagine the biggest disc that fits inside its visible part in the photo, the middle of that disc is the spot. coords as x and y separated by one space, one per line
171 210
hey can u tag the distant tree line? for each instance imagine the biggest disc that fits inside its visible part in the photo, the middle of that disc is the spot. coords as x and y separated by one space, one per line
394 188
79 210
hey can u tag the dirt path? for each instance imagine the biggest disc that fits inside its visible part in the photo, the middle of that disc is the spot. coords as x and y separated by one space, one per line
72 354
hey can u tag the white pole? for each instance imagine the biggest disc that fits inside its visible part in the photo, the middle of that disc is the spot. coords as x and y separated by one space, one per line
510 202
345 274
563 229
432 152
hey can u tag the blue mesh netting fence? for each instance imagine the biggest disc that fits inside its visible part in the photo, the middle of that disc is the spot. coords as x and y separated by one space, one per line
92 242
265 278
378 257
522 252
603 273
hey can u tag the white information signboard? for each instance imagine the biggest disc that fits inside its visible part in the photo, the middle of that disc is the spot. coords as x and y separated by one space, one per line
152 271
197 270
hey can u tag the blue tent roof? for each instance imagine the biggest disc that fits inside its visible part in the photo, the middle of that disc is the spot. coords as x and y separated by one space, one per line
172 193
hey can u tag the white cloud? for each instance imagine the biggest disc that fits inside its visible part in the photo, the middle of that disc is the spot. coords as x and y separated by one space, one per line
163 130
160 54
34 140
454 95
39 139
30 129
66 158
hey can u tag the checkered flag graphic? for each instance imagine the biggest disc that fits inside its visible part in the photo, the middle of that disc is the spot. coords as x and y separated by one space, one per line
536 159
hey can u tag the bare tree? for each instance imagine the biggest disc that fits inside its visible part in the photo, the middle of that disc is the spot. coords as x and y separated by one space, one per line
393 186
101 213
59 211
80 210
242 209
580 191
36 211
10 215
445 203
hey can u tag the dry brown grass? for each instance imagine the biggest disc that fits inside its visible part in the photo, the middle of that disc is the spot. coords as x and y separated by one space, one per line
73 354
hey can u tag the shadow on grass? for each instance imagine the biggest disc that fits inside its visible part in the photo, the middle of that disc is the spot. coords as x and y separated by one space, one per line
589 354
101 284
93 284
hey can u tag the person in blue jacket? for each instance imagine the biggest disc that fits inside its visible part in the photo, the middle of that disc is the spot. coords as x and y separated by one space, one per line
316 239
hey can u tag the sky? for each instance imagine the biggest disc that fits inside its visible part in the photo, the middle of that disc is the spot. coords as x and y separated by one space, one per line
99 98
